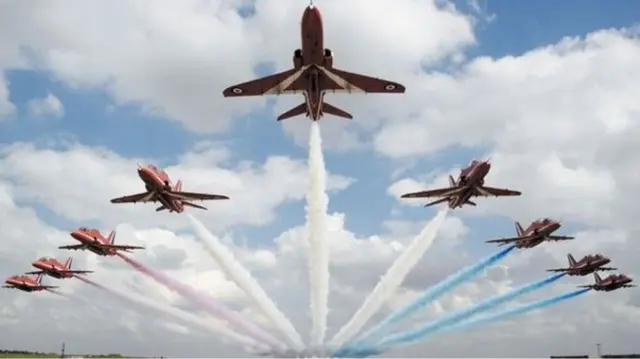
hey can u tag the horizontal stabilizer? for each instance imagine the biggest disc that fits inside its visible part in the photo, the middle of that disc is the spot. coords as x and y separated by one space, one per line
332 110
558 270
296 111
189 204
436 202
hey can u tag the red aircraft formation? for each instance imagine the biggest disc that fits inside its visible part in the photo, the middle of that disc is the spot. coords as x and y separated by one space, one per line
470 183
313 75
159 188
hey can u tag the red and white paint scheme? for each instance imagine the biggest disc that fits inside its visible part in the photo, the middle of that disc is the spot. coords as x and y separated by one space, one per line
610 283
92 240
56 269
27 283
159 188
313 75
470 184
537 232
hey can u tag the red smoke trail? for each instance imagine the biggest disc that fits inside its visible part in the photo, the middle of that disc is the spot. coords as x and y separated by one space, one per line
220 310
176 313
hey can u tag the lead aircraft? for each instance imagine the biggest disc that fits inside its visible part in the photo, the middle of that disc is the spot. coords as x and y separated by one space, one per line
313 75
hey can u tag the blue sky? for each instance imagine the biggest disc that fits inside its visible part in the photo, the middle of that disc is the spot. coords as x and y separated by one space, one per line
91 120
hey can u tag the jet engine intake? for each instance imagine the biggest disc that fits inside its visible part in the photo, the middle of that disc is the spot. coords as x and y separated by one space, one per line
328 58
297 59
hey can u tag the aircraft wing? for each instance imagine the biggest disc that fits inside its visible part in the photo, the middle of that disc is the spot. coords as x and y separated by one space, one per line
46 287
495 192
606 268
138 197
558 238
73 271
440 192
276 84
120 247
504 241
35 272
558 270
198 196
351 82
189 204
72 246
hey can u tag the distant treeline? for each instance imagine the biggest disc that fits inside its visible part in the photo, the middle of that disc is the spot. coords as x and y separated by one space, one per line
603 356
25 353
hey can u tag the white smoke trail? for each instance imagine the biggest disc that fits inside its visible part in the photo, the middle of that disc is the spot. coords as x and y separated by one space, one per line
241 276
317 205
388 283
219 329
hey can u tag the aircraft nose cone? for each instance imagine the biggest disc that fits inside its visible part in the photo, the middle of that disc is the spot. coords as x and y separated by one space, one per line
311 14
77 235
142 173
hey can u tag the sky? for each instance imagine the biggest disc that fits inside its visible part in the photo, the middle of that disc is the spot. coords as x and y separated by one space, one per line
547 90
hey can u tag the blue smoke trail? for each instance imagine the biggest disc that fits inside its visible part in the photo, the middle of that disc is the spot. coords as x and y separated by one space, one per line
456 317
437 325
428 296
508 313
486 319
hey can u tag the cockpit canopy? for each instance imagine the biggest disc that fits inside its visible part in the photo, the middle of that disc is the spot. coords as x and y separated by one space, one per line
87 229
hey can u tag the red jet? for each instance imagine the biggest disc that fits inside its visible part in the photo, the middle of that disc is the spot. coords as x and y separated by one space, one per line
92 240
538 231
56 269
27 283
160 189
587 265
313 75
612 282
470 183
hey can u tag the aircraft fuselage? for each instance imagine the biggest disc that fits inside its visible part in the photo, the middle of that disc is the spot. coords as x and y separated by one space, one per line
588 268
540 234
51 270
313 55
92 244
470 178
159 185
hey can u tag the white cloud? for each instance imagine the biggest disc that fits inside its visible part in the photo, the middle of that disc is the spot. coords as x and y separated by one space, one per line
78 182
49 105
175 59
559 122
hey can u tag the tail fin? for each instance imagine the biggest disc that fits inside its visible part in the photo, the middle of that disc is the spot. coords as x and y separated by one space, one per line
572 261
296 111
67 264
39 279
519 229
597 278
452 181
332 110
178 186
112 237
